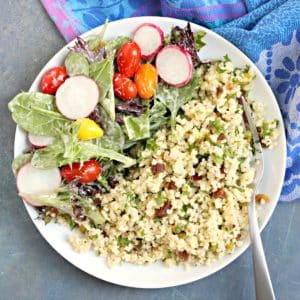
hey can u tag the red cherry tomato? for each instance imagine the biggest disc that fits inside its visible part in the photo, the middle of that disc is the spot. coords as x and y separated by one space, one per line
52 79
124 87
86 172
128 58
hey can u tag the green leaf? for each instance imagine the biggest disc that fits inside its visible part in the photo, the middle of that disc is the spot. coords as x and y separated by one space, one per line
102 73
113 134
77 64
20 161
94 41
36 113
198 36
160 199
67 149
137 127
115 43
217 125
226 58
62 201
157 115
173 98
123 241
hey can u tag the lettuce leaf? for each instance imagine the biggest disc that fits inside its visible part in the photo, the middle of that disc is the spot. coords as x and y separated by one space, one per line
67 149
137 127
173 98
20 161
77 64
36 113
102 73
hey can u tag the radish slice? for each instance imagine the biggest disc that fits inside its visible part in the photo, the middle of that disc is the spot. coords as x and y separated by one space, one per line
39 141
174 65
150 38
31 180
77 97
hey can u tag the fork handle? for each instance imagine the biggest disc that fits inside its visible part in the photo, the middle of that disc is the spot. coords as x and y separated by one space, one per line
263 285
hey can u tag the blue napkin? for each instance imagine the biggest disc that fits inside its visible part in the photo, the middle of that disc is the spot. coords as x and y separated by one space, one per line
266 31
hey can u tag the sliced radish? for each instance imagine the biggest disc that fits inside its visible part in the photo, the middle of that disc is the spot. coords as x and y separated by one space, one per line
77 97
174 65
150 38
39 141
31 180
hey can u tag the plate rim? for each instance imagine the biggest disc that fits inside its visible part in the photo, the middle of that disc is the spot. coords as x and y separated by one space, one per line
263 224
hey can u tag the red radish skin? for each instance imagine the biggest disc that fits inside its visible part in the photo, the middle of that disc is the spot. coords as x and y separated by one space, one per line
39 141
150 38
31 180
77 97
174 65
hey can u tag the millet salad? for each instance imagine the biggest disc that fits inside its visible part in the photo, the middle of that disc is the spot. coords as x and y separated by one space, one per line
141 148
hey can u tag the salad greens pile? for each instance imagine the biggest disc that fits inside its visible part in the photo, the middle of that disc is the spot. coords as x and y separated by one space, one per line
124 124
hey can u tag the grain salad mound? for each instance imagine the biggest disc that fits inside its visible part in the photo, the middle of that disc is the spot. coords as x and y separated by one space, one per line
186 200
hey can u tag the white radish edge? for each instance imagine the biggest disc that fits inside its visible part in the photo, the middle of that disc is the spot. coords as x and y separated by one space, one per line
77 97
30 180
39 141
168 78
146 40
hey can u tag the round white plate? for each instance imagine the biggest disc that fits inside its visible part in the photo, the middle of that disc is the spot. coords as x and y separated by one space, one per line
157 275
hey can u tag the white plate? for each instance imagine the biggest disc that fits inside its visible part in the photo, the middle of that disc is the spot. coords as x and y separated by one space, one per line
157 275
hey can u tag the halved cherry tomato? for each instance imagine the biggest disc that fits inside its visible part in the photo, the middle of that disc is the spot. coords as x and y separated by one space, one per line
128 58
52 79
146 80
124 87
87 172
88 129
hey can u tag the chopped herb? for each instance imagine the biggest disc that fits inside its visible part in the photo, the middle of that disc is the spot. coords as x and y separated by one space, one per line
93 237
169 254
248 135
123 241
186 190
151 145
246 69
192 147
132 197
198 40
185 207
217 126
228 152
179 228
218 160
220 70
160 199
103 181
47 219
236 81
226 58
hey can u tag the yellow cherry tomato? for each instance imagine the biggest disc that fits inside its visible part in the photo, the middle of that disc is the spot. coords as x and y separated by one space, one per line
146 80
88 129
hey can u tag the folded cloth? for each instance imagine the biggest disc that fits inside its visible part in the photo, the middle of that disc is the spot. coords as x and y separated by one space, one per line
266 31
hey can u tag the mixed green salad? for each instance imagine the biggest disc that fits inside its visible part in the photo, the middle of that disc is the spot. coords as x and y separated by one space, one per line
93 115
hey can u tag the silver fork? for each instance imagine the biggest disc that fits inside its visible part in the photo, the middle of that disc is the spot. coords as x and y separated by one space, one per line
263 285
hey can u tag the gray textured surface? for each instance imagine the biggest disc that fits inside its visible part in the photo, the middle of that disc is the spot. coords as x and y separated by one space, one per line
30 269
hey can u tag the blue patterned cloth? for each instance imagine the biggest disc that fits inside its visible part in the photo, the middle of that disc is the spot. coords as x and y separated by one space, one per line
267 31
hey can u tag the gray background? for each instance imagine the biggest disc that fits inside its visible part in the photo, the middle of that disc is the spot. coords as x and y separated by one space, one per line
31 269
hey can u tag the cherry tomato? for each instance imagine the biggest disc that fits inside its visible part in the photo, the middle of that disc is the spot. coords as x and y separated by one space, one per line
124 87
52 79
128 58
86 172
146 80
